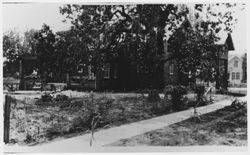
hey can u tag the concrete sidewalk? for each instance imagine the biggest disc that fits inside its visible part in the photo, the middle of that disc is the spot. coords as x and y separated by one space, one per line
107 136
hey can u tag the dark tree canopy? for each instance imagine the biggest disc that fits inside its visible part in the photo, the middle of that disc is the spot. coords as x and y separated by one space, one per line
136 29
101 33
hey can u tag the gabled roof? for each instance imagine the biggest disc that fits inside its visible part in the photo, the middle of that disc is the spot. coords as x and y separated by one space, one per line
234 57
184 25
229 42
225 38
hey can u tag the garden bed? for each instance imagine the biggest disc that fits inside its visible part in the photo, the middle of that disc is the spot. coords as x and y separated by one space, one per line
227 126
33 122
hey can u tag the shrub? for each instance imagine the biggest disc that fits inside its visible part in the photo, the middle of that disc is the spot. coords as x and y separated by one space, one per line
61 97
200 90
153 95
177 92
236 104
46 98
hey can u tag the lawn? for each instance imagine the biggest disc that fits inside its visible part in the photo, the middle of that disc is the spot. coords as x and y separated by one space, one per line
227 126
33 123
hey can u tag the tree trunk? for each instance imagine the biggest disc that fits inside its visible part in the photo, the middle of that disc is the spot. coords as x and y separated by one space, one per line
217 78
158 75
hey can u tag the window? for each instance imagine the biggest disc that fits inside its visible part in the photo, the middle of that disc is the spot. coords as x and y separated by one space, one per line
237 76
106 71
171 69
233 75
115 71
235 63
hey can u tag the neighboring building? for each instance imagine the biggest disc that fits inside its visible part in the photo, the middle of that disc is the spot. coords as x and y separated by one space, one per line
173 76
235 70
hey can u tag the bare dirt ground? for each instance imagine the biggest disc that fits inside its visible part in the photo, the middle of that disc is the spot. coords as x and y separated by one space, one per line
32 124
227 126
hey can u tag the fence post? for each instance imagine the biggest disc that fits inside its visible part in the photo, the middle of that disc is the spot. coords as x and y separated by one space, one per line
7 118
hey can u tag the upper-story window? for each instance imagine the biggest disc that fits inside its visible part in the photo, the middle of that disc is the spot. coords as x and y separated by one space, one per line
171 68
106 71
236 63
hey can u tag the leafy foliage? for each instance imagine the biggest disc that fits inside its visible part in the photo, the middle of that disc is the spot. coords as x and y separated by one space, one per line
110 31
15 45
11 45
46 97
193 44
136 33
177 92
200 90
45 52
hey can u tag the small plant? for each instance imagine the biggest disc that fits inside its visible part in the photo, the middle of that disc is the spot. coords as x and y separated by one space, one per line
46 98
177 96
238 104
95 120
98 111
200 91
153 95
29 138
61 97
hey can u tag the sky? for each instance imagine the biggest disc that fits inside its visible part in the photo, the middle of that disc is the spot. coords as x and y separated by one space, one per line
32 16
26 16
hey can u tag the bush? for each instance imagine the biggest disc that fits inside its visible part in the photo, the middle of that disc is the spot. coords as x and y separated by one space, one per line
200 91
46 98
61 97
153 96
177 92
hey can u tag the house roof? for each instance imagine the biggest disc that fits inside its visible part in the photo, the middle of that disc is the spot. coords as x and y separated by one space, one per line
231 57
229 42
225 38
184 25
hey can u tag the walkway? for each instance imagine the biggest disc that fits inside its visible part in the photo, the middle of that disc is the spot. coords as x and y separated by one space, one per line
107 136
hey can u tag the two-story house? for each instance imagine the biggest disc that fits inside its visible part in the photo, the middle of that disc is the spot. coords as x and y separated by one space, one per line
235 70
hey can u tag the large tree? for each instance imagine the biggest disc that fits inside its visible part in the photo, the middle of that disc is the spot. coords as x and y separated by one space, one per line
140 28
45 51
105 29
14 46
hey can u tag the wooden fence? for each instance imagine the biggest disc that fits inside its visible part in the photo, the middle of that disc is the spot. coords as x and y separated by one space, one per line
7 110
